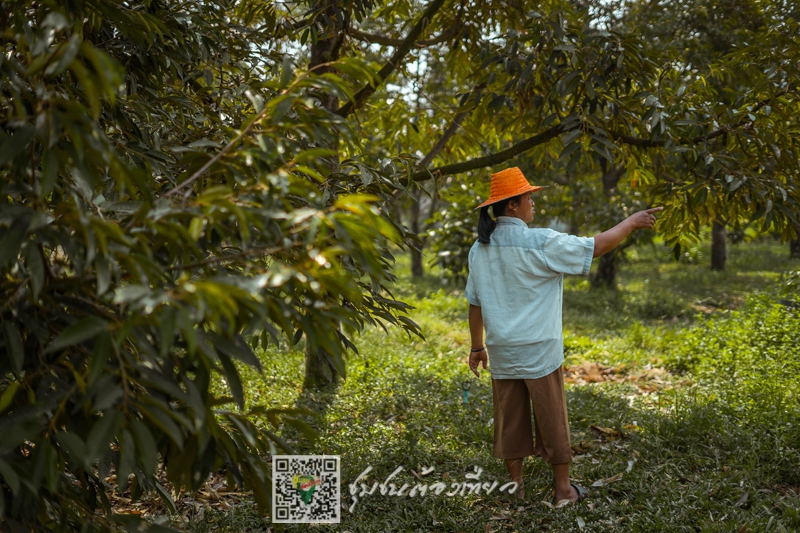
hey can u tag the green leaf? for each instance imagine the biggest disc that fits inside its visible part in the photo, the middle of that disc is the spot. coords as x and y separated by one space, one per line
8 395
303 427
99 358
13 343
158 417
103 275
134 524
35 269
49 172
12 241
70 52
571 136
16 143
10 477
569 150
238 349
126 458
280 442
75 447
145 446
102 434
232 377
130 293
166 498
82 330
286 71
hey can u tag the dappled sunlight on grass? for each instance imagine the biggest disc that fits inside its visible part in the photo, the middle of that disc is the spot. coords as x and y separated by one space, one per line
665 444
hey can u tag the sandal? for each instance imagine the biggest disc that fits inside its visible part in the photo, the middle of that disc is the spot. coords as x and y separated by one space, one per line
582 492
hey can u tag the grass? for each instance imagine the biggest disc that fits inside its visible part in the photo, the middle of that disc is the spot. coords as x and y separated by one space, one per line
687 462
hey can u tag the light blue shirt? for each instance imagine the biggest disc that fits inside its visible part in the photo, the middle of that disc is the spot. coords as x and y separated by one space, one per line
517 280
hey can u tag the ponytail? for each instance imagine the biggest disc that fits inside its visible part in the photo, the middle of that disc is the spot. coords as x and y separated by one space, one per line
485 226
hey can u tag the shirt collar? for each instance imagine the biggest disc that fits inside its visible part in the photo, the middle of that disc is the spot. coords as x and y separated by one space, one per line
511 220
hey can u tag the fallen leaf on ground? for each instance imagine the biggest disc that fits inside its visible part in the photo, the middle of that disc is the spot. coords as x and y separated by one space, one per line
563 503
607 481
589 372
630 466
583 447
581 523
743 499
607 432
501 516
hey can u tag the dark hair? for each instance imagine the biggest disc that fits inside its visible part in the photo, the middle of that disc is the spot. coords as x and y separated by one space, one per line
486 224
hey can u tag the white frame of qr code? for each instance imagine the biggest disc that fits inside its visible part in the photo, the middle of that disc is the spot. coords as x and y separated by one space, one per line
321 505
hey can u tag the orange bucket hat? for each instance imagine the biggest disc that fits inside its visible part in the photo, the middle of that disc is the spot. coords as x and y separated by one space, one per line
507 184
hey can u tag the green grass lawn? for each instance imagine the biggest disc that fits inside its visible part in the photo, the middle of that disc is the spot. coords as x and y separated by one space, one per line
647 400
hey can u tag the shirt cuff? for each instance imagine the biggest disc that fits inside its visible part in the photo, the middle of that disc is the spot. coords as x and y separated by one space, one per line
587 262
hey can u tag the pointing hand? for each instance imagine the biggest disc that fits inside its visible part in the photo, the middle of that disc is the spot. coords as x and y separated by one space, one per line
645 219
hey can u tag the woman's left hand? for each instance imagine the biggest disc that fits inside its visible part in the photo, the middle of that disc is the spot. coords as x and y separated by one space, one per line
475 359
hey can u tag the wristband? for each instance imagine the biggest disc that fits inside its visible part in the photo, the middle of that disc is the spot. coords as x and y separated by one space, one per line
473 350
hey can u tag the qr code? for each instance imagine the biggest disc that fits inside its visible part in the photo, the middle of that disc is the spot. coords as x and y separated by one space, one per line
306 489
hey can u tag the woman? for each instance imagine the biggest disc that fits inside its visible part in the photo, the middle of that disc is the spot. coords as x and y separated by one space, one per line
514 290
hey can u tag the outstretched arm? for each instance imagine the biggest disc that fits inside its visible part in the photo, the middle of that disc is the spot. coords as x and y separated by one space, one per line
609 239
476 334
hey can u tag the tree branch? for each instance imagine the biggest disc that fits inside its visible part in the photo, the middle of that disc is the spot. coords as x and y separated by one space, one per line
191 179
648 143
449 132
612 177
389 41
260 251
492 159
391 65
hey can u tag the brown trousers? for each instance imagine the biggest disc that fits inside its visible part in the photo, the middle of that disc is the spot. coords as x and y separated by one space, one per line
513 437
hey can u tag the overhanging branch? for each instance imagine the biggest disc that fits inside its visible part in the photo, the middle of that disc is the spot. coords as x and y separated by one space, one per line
450 131
555 131
390 41
493 159
655 143
391 65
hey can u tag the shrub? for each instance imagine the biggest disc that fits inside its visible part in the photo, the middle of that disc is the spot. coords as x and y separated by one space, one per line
747 367
150 239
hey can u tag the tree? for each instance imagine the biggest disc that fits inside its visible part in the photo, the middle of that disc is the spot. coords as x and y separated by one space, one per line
185 182
694 34
166 207
710 142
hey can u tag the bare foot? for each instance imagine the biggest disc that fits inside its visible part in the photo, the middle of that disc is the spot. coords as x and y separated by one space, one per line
572 495
520 492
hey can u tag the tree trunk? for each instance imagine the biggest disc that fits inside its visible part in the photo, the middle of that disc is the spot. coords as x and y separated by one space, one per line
417 269
606 273
318 370
794 248
719 252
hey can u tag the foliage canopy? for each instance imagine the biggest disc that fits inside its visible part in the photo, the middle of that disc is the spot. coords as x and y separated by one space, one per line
183 182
